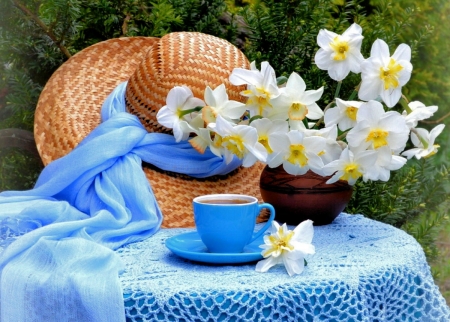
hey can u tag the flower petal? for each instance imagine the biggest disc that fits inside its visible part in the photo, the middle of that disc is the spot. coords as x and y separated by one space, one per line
241 76
353 30
322 59
435 132
380 50
295 83
294 267
294 169
220 94
325 37
304 232
311 96
265 264
233 109
403 52
209 97
391 96
339 70
314 112
208 115
370 88
166 117
193 102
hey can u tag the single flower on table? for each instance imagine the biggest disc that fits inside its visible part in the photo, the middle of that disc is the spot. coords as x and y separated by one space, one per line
288 247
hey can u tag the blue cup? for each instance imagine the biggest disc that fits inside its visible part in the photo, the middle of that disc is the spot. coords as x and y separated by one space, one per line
226 222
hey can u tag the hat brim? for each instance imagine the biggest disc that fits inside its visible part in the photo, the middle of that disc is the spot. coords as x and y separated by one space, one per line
69 109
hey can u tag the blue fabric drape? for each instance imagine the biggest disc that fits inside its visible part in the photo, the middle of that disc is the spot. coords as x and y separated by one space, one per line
89 203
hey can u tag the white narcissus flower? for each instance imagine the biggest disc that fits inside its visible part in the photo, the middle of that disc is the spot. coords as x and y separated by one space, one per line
332 149
178 100
376 128
217 103
266 127
239 140
202 141
296 152
418 112
383 75
295 102
340 54
261 87
385 162
350 167
424 142
344 114
288 247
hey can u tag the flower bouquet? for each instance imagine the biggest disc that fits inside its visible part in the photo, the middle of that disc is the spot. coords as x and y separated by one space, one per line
281 123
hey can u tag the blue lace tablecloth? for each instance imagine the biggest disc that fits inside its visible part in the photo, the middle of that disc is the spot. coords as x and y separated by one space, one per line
363 270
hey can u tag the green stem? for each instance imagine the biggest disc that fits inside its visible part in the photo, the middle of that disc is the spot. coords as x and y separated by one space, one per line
338 89
305 122
320 121
424 142
186 112
342 136
253 118
404 102
355 91
281 80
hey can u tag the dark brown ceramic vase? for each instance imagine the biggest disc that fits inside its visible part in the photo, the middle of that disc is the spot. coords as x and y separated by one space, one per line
308 196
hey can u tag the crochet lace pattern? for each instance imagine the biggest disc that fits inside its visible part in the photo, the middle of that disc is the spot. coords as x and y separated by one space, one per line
363 270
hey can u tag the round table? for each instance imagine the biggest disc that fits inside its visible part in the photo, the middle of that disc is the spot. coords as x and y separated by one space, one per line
363 270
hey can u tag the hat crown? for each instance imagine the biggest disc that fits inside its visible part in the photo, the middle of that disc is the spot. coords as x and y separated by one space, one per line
193 59
69 109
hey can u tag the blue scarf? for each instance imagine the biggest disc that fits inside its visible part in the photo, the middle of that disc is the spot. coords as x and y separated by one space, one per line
85 205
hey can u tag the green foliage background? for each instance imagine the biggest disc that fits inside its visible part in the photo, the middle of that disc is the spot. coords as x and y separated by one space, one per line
37 36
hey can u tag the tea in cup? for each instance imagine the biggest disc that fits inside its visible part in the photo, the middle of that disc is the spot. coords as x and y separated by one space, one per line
226 222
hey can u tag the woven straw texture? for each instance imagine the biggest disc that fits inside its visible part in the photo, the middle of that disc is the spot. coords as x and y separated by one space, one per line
69 106
181 58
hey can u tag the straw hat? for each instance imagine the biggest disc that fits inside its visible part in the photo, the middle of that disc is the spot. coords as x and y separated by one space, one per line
69 106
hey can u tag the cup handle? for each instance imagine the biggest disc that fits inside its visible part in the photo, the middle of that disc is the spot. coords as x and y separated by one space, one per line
268 223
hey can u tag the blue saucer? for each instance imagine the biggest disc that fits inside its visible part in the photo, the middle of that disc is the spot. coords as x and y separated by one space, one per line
190 246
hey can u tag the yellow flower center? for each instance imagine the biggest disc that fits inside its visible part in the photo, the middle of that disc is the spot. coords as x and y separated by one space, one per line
280 243
217 142
378 138
351 171
209 114
179 113
436 147
340 48
389 74
351 112
261 99
297 155
264 140
297 111
235 145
